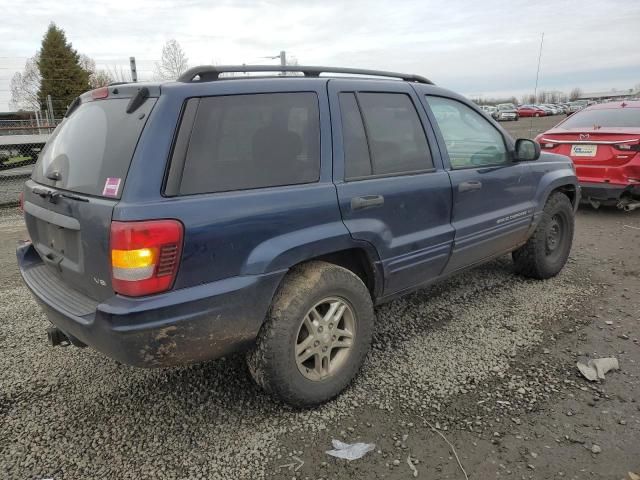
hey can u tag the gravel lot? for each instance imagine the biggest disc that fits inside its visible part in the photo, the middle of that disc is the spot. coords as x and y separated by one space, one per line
487 357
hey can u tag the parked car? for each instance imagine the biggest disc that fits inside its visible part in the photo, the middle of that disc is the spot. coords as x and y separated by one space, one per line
530 111
491 111
575 107
603 141
555 110
507 111
273 213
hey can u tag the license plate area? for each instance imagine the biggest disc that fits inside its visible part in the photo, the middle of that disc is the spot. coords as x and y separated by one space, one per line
584 150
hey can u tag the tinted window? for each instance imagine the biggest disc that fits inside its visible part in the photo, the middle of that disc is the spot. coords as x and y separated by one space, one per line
356 151
94 144
253 141
470 139
614 117
396 139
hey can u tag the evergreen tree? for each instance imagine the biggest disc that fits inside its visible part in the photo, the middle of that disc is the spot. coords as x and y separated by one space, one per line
62 74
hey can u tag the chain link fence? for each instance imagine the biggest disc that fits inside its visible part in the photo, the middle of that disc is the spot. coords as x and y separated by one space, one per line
18 153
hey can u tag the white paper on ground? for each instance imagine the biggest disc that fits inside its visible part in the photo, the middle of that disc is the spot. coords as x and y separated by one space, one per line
350 451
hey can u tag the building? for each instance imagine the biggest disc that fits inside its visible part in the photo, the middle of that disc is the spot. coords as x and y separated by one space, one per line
611 95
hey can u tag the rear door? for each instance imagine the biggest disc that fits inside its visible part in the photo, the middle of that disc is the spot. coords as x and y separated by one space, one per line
75 185
492 195
392 189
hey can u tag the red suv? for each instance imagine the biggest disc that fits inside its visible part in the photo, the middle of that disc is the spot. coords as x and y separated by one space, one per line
604 143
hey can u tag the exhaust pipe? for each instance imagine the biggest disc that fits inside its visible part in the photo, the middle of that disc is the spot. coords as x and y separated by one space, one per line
627 204
57 337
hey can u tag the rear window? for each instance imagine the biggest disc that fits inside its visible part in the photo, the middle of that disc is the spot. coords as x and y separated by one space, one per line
253 141
614 117
91 150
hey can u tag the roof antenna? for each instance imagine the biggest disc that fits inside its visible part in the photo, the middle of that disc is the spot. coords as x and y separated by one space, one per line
535 90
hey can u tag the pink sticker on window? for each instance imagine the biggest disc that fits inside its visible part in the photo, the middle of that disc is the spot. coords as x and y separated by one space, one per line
111 187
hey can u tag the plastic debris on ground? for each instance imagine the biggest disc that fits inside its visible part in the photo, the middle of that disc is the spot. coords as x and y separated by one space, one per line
595 369
350 451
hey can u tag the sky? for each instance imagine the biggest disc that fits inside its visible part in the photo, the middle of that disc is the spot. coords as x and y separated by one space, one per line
479 48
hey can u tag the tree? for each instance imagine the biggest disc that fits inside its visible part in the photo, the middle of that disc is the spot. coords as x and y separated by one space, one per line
62 75
24 86
97 77
173 63
575 94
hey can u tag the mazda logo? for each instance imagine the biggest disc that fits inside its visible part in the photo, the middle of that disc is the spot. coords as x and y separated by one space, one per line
584 136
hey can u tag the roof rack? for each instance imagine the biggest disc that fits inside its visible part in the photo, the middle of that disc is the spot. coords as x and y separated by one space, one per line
208 73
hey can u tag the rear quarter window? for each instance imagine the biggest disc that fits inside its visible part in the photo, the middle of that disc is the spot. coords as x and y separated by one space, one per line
252 141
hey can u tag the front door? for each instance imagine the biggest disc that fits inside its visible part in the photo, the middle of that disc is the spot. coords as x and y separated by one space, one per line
392 188
492 195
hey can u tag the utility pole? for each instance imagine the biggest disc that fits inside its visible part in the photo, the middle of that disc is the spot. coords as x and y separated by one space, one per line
134 72
51 114
283 58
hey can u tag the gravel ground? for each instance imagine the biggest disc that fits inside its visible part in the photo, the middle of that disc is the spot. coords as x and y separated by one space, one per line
487 358
11 186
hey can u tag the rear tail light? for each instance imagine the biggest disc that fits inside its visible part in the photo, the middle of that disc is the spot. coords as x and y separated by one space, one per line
626 147
548 145
145 256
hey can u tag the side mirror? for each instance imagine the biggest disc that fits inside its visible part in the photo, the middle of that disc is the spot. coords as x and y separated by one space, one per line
526 150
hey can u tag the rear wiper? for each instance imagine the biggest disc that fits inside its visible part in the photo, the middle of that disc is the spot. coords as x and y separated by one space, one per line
53 196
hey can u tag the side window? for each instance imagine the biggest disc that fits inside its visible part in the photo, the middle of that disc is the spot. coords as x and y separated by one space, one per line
470 139
252 141
396 137
356 151
390 140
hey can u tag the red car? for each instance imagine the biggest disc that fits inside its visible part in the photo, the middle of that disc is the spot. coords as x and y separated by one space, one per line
531 111
604 143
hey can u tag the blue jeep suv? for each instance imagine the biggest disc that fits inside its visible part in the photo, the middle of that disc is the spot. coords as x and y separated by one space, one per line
178 222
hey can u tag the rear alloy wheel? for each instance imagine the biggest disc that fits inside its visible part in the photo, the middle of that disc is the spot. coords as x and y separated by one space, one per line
325 338
547 250
316 335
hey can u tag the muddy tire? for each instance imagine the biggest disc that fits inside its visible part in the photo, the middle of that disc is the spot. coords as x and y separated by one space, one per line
316 335
547 250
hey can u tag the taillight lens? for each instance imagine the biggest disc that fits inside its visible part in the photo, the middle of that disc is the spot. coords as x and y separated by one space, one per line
626 147
548 145
145 256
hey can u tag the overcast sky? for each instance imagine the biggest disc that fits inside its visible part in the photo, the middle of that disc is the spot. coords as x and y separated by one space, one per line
485 47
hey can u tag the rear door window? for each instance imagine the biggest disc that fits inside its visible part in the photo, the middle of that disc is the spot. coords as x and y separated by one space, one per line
397 141
252 141
91 150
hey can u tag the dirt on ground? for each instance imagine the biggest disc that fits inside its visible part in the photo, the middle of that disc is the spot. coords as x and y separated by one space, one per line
485 361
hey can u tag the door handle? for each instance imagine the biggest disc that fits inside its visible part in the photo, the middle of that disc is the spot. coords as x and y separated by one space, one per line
469 186
358 203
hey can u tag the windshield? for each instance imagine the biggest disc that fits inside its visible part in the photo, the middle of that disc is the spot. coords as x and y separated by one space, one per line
610 117
91 150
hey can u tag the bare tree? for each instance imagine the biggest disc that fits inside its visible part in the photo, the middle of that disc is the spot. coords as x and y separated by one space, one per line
119 74
97 77
174 61
24 86
575 94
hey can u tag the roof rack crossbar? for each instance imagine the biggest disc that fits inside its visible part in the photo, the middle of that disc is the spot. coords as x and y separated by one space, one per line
208 73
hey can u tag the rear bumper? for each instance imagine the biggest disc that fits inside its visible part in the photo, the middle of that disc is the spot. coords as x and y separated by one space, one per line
175 328
607 192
